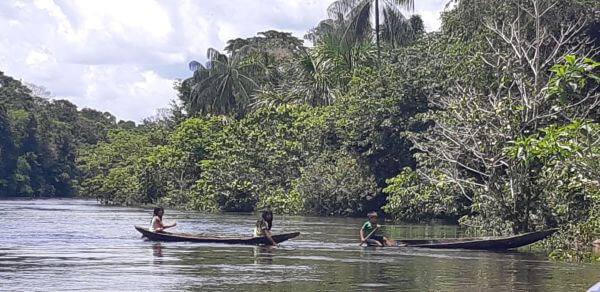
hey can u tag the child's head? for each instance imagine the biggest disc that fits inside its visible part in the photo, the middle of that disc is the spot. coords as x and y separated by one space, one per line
268 217
159 211
372 217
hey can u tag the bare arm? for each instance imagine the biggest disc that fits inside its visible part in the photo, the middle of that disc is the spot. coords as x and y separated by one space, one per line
270 237
362 235
165 226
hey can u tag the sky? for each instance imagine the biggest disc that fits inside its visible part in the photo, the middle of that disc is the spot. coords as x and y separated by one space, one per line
123 56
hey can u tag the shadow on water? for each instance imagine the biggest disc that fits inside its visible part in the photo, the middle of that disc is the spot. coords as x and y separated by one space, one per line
97 248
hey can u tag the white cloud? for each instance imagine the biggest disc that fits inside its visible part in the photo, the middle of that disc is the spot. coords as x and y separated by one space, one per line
64 26
430 12
38 57
12 22
146 19
123 56
125 90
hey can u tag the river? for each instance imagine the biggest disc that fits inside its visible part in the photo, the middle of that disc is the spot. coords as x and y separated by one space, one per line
63 245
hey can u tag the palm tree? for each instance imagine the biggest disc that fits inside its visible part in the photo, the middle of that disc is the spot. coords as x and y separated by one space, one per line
310 78
360 11
224 85
398 31
320 75
344 50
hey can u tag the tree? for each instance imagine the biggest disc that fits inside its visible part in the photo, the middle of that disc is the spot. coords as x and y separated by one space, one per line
335 184
274 43
360 12
476 122
224 85
398 31
8 160
112 170
321 75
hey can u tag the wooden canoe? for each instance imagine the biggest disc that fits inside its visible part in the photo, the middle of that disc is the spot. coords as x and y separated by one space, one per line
480 243
168 236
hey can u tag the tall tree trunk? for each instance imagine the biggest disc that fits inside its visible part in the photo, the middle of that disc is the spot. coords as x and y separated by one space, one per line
377 30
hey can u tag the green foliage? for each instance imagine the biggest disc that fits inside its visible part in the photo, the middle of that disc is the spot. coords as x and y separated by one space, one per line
358 15
180 162
40 139
321 75
224 85
492 121
410 197
574 78
398 31
569 155
375 118
227 83
512 140
113 169
335 184
260 156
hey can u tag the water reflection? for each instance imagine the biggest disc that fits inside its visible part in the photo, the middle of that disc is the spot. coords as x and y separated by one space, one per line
263 255
326 257
157 249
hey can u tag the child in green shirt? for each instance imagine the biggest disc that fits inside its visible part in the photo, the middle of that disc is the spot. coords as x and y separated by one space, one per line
371 228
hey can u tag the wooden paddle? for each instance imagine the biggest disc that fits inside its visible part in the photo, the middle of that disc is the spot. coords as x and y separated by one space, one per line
367 238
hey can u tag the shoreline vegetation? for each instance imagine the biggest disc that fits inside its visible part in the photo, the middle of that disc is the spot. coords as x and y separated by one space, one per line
493 121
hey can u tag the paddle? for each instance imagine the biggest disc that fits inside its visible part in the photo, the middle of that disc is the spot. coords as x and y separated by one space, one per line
367 238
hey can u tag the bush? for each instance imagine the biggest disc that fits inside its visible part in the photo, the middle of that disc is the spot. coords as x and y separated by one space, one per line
336 184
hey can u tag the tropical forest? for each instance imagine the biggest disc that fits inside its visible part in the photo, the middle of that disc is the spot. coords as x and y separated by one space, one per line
491 122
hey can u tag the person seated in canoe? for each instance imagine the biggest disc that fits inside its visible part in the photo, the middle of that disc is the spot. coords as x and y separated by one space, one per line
371 234
157 224
263 226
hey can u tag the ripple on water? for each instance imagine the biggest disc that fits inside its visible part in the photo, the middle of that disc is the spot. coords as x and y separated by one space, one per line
62 245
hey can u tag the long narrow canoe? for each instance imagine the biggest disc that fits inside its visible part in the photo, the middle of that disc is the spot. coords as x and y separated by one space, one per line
168 236
480 243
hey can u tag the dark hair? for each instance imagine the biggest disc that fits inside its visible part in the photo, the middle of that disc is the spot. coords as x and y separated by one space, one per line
269 220
372 214
158 209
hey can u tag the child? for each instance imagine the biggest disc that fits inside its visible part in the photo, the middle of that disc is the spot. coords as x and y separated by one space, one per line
157 224
263 226
376 238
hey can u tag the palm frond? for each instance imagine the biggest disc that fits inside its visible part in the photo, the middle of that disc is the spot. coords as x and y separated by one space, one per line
224 85
406 4
360 22
398 30
195 65
396 27
342 7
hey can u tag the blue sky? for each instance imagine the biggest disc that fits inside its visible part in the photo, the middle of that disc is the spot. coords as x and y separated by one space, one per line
123 56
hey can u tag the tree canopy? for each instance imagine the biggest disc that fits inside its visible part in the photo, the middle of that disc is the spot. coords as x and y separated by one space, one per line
491 122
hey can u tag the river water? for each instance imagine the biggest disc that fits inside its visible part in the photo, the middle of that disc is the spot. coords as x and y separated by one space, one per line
63 245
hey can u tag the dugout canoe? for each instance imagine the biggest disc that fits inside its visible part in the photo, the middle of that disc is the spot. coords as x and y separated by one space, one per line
168 236
479 243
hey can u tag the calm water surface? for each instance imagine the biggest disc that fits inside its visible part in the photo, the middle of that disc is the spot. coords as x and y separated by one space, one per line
62 245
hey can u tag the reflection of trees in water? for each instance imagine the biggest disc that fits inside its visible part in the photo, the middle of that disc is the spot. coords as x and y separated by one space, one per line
304 269
433 270
348 268
263 255
423 231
